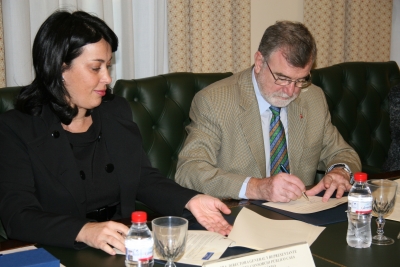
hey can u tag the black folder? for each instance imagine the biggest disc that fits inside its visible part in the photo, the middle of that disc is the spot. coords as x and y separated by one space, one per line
325 217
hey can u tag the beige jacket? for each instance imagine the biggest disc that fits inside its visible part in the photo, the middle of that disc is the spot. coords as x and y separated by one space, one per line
225 140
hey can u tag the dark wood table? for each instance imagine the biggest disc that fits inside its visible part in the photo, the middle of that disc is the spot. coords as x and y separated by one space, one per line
329 250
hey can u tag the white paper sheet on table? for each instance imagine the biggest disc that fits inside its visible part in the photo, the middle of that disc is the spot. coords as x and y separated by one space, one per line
255 231
250 230
202 246
303 206
199 244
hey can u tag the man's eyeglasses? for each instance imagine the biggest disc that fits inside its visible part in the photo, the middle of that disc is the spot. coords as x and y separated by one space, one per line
301 83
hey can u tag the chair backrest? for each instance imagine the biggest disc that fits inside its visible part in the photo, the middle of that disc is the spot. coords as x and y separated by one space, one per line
7 97
393 161
356 92
160 106
357 96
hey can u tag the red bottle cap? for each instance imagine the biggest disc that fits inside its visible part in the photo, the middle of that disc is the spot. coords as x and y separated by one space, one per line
360 177
139 217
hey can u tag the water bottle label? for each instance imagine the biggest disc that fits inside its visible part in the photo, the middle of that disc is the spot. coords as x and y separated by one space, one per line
139 249
360 205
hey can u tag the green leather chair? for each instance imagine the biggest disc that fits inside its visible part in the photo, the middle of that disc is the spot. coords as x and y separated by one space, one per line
160 106
7 98
356 92
357 96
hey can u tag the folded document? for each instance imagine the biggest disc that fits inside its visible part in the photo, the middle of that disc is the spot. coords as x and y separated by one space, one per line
250 230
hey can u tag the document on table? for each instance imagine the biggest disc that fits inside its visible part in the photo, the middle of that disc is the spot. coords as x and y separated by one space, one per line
255 231
202 246
304 206
395 215
250 230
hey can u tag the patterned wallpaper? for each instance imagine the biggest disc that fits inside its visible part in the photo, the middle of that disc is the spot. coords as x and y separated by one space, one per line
208 35
347 30
214 35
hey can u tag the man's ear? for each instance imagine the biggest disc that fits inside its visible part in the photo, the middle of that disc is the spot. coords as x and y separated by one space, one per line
258 62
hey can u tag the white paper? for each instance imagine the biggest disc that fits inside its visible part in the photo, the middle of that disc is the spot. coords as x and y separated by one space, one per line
294 255
255 231
250 230
17 249
303 206
202 246
199 244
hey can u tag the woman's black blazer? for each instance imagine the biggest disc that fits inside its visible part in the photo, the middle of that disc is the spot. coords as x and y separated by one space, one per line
42 197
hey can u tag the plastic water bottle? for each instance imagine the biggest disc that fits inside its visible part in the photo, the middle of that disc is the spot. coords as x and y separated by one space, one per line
139 242
359 213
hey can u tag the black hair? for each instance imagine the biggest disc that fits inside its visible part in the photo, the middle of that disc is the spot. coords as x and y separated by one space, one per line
59 41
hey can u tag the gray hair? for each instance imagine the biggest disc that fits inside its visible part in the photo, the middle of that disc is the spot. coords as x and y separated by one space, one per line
293 39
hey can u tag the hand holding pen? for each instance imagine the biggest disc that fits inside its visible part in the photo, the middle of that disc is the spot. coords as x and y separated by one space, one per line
283 169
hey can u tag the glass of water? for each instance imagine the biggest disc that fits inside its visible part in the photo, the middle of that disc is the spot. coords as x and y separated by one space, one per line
384 197
170 234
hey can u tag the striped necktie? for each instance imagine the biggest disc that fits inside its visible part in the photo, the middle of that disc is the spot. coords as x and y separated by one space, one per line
277 141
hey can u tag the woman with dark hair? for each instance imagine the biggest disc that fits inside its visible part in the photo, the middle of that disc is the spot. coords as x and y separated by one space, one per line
74 160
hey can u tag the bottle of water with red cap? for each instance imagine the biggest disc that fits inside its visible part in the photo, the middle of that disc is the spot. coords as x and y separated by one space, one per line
139 242
359 213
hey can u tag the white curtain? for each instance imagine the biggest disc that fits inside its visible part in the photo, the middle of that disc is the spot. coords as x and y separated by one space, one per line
150 42
139 25
395 42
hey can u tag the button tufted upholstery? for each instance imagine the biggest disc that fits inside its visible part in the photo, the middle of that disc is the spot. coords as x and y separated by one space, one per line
7 98
393 161
357 95
160 106
356 92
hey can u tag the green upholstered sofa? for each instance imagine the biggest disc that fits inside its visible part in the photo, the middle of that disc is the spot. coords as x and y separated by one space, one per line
356 92
357 95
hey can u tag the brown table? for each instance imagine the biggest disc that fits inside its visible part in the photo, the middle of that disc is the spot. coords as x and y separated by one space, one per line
329 250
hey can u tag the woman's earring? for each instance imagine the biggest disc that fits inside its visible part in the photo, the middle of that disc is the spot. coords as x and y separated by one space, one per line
62 79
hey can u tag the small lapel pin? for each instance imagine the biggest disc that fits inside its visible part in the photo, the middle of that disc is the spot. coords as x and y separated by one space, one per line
301 116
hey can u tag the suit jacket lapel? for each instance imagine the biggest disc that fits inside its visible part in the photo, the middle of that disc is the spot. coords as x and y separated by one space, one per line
250 120
53 149
297 120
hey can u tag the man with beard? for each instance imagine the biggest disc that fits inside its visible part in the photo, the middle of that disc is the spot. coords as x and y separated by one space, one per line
247 130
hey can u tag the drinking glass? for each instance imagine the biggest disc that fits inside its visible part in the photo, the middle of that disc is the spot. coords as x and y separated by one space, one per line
384 197
169 235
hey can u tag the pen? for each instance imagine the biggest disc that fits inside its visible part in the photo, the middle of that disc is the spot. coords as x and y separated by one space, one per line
283 169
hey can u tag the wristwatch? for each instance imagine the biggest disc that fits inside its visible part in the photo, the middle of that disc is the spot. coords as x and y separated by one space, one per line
344 167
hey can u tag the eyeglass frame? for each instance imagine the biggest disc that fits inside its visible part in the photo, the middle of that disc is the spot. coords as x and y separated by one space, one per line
307 79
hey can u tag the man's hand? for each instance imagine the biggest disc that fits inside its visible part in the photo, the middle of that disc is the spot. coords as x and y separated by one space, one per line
104 235
337 179
207 211
282 187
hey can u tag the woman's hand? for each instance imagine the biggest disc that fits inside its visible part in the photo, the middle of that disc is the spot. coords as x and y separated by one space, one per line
104 235
207 210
